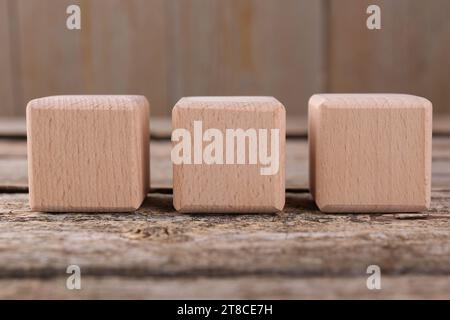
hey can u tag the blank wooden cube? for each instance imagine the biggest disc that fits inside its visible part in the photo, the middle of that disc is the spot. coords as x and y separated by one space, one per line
88 153
202 185
370 152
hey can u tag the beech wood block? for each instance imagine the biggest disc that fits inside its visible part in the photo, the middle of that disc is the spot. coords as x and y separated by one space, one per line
370 152
227 169
88 153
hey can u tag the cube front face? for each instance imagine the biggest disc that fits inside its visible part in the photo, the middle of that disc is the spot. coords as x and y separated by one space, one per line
88 153
370 153
230 187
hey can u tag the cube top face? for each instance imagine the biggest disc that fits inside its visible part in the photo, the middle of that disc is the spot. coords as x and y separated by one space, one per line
370 152
369 100
89 102
251 104
225 185
88 153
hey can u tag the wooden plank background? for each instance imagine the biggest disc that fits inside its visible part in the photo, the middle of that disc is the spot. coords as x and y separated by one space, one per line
169 49
410 54
237 47
7 102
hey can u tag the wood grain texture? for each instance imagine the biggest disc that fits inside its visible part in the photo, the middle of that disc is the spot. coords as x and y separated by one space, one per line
231 186
88 153
370 152
7 104
410 53
246 47
156 241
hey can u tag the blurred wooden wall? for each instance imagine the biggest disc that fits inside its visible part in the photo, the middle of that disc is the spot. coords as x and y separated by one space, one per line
410 54
166 49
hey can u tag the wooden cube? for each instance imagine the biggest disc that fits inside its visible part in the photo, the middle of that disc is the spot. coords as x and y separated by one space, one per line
228 154
88 153
370 152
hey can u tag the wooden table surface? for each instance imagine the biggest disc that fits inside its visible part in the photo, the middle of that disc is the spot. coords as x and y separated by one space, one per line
159 253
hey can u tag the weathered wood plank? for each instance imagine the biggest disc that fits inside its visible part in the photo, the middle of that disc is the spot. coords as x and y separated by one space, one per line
157 241
249 287
160 164
13 148
441 124
13 173
410 54
13 165
13 127
7 102
246 47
